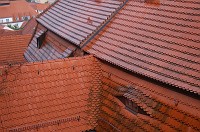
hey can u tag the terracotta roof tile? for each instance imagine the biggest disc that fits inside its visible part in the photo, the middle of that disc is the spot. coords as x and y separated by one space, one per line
159 103
12 48
14 10
30 26
39 6
159 42
53 47
42 102
77 20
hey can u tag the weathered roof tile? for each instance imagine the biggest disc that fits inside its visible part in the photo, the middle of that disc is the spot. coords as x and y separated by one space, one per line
157 41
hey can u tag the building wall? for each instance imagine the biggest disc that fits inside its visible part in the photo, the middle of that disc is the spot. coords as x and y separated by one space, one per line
6 20
41 1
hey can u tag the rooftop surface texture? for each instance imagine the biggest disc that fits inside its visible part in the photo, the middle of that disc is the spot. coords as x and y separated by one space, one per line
14 9
13 48
79 94
76 20
61 95
158 40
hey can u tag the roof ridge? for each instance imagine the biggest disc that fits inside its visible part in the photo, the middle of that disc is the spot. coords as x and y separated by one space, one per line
101 27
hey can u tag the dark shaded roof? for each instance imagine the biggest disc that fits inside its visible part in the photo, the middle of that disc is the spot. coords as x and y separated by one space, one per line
52 48
76 20
12 48
30 26
160 41
168 111
56 95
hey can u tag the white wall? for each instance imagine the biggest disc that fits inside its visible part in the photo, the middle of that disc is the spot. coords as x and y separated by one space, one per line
18 23
4 20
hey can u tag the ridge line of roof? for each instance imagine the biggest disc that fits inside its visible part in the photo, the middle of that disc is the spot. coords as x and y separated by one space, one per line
103 26
47 61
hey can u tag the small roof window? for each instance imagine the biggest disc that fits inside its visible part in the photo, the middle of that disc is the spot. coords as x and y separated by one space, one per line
40 36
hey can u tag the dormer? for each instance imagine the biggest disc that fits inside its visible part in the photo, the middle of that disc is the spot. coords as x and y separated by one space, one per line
40 38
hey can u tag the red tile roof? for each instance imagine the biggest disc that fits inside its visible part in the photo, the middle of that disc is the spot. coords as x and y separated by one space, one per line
158 41
39 6
79 94
78 19
29 27
12 48
167 110
14 10
61 95
5 32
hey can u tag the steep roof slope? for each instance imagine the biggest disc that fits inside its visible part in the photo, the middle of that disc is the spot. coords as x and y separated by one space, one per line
61 95
158 40
76 20
167 110
29 27
53 47
12 48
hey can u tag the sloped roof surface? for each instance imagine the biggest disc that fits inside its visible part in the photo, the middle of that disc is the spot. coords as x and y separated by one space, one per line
14 9
52 48
158 40
39 6
167 110
75 20
12 48
50 96
29 27
79 94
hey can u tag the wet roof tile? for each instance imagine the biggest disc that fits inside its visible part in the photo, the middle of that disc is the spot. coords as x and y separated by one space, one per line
158 41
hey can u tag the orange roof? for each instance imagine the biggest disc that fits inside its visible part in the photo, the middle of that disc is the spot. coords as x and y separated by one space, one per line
14 9
30 26
39 6
59 95
12 48
79 94
4 32
156 40
167 110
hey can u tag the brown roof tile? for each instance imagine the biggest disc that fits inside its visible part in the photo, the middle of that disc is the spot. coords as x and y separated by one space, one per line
160 42
42 102
29 27
158 102
53 47
12 48
77 20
